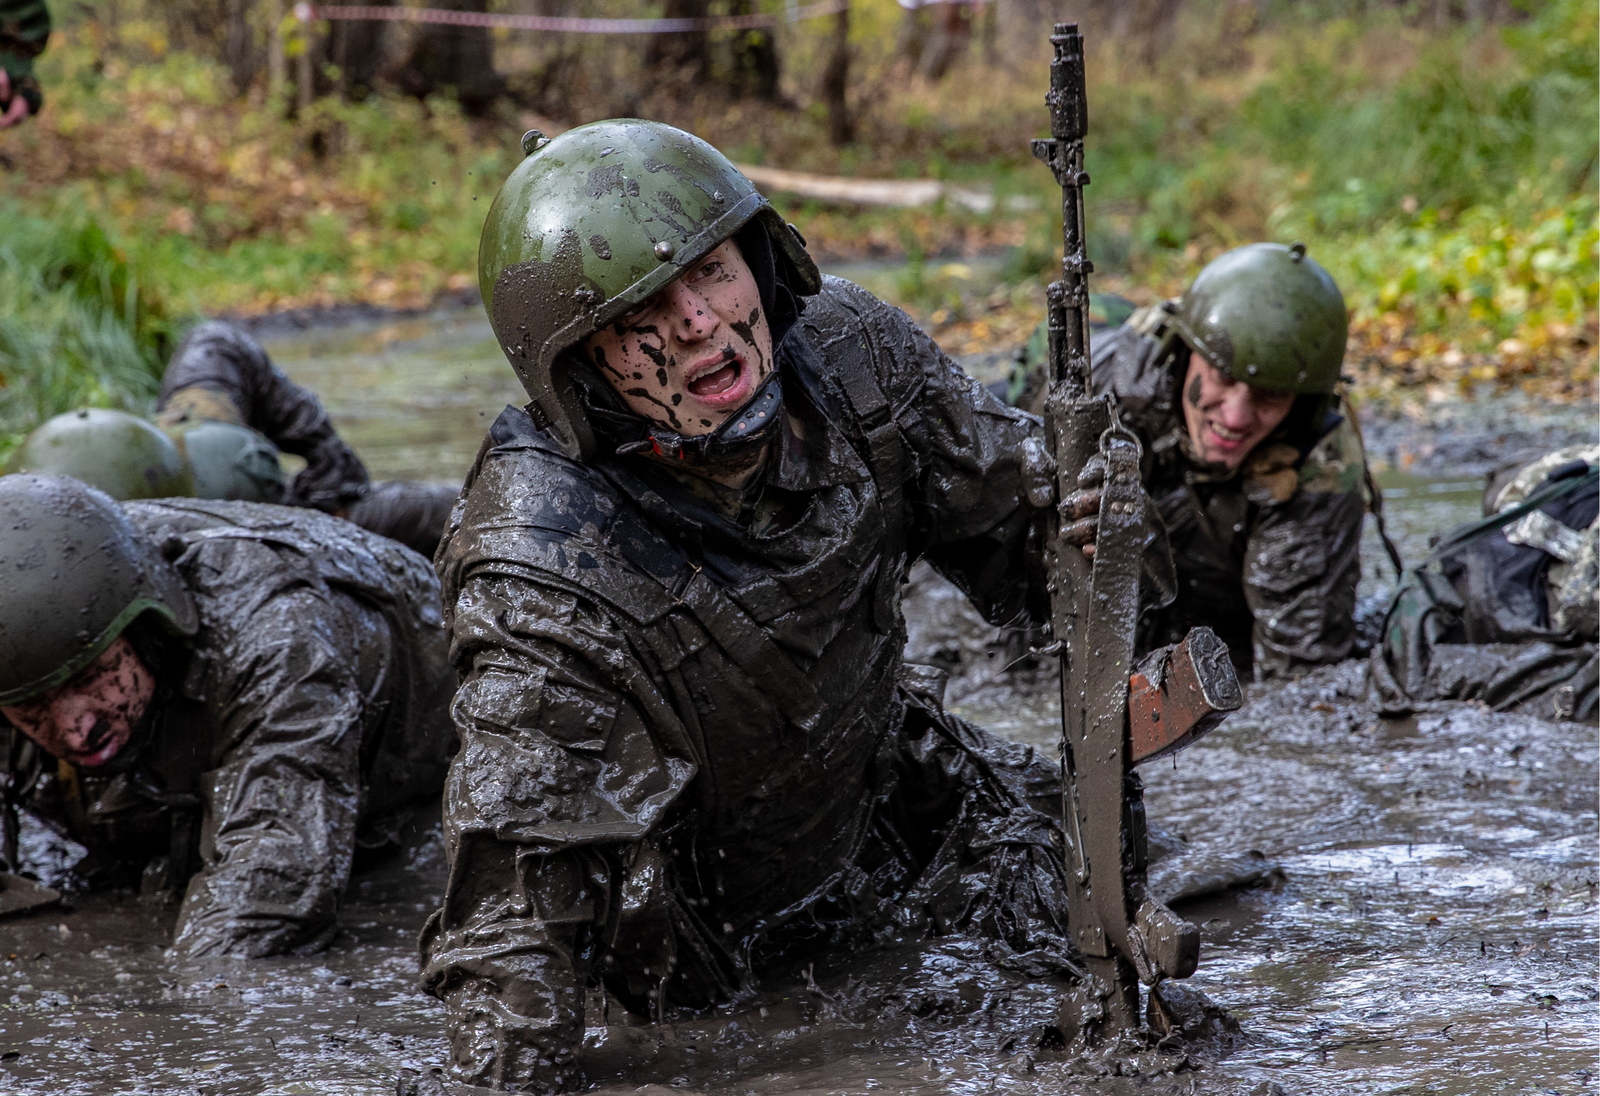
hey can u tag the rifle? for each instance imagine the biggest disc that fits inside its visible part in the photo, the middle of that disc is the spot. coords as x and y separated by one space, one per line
1124 935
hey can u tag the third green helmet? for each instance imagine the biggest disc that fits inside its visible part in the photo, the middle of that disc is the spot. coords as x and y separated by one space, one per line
77 574
231 462
1267 315
122 455
596 221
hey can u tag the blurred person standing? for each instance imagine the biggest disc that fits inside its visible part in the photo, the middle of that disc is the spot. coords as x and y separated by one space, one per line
24 30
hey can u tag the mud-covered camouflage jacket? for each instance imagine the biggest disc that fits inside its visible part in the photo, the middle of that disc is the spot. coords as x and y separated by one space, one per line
222 374
24 30
305 716
676 726
1504 611
1268 558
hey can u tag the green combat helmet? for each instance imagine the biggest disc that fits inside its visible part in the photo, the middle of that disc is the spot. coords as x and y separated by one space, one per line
594 222
77 574
1267 315
230 461
122 455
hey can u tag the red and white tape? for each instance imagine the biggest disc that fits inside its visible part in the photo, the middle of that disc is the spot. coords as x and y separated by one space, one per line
307 13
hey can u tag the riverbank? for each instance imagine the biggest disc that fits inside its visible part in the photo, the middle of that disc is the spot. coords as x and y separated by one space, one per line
1444 174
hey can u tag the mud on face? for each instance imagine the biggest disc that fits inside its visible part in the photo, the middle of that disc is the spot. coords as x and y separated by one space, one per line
692 355
89 718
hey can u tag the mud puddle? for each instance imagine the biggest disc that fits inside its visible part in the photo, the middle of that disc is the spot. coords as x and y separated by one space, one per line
1423 920
1422 917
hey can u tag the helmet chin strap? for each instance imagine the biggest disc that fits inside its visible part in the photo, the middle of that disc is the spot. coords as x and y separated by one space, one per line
746 430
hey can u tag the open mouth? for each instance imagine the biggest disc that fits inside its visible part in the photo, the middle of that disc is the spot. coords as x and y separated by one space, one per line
104 743
717 381
1226 439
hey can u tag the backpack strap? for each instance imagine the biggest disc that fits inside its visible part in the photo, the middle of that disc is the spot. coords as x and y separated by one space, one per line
887 456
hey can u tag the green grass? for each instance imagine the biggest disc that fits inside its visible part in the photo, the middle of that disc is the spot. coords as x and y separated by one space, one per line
1446 177
78 326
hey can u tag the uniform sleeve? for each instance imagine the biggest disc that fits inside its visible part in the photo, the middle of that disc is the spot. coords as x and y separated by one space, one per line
969 474
282 804
556 786
1303 563
219 358
24 30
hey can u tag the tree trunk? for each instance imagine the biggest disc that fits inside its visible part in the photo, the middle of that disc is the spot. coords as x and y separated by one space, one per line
1150 24
755 58
356 47
459 59
685 56
276 61
836 82
952 27
239 51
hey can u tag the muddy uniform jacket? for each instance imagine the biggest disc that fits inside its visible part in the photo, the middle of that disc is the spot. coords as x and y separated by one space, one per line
306 714
1504 612
1269 559
680 734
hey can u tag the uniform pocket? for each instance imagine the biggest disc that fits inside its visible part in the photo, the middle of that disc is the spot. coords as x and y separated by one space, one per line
1284 558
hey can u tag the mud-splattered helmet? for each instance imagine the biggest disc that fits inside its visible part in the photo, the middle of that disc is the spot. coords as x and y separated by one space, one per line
76 575
596 221
1267 315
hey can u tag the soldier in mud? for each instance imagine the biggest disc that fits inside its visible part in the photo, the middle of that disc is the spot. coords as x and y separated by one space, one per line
24 30
1250 454
221 374
227 411
1505 610
690 750
218 699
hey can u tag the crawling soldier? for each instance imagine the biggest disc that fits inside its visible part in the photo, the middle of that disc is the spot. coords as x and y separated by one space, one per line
689 746
1250 453
242 692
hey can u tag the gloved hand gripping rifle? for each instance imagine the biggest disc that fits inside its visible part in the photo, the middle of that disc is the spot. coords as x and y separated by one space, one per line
1113 714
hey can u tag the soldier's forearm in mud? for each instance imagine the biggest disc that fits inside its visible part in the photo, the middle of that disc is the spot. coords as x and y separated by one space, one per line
285 799
504 954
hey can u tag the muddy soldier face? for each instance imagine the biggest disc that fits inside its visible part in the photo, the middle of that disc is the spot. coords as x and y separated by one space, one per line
1250 453
689 746
215 698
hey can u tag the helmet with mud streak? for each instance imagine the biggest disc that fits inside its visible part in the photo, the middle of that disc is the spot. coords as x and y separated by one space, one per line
594 222
1267 315
77 574
122 455
230 461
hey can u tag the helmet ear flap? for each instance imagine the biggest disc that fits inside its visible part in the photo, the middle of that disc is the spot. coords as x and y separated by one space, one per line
569 408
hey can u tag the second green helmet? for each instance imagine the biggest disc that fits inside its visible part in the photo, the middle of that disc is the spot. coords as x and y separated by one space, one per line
230 461
596 221
119 453
1267 315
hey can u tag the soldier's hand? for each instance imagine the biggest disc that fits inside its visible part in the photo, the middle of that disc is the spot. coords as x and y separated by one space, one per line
1081 509
13 108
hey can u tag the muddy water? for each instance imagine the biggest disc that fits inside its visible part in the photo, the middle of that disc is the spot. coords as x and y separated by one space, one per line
1424 919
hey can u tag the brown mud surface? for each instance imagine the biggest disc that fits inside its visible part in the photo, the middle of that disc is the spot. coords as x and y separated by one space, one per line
1422 920
1386 906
